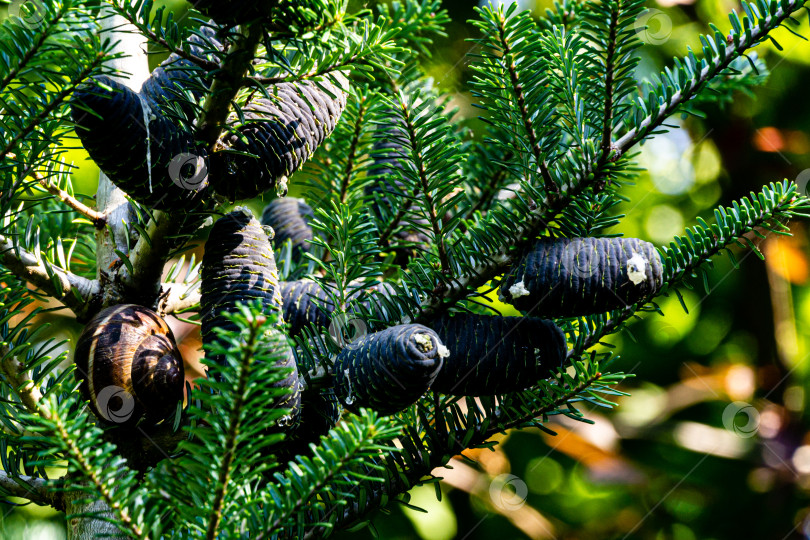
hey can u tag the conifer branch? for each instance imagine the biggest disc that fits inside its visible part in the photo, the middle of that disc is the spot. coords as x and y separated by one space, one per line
88 471
546 210
425 459
424 186
688 254
75 292
509 61
131 69
23 386
227 82
352 155
725 54
99 220
366 438
37 490
230 442
610 67
57 101
31 53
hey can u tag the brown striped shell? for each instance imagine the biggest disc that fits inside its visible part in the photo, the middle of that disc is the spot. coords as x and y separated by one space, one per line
129 366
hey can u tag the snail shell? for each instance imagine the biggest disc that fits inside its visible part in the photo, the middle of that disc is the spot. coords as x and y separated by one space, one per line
129 366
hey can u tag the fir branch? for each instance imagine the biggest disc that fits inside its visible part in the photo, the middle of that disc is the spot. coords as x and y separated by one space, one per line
517 87
610 67
228 80
75 292
135 12
37 46
23 386
88 471
255 326
590 168
99 220
352 154
431 453
720 51
688 254
56 101
426 185
37 490
341 454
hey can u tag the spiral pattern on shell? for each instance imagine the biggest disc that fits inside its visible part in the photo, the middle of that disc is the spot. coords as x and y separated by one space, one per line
570 277
289 217
128 366
279 135
490 354
388 370
138 139
238 266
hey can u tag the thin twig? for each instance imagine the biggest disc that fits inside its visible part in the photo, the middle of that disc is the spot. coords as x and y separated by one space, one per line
98 218
37 490
77 293
21 382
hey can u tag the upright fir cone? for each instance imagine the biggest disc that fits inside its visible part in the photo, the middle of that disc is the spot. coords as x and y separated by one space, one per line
306 303
279 135
239 266
142 140
289 217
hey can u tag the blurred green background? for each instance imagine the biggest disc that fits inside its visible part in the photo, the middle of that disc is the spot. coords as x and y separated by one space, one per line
714 442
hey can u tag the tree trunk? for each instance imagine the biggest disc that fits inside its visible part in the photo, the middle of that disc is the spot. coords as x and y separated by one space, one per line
111 201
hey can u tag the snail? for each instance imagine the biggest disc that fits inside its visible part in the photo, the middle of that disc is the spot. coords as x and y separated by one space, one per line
571 277
490 354
388 370
276 137
128 366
